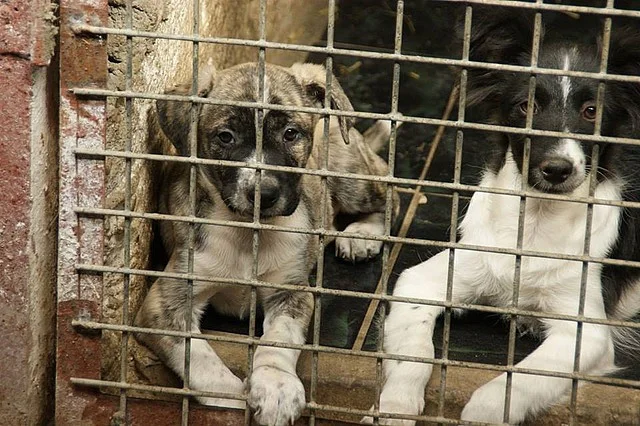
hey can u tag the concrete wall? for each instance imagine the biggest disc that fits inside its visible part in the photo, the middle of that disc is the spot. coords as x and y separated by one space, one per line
28 206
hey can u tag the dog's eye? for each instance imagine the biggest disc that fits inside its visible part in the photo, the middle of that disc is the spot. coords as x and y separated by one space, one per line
290 135
226 137
524 106
589 111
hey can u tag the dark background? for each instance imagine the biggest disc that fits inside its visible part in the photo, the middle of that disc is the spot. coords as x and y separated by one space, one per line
424 89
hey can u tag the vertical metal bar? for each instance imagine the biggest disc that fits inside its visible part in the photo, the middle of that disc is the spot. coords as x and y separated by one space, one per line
127 221
395 94
606 39
193 153
535 50
259 125
324 196
455 204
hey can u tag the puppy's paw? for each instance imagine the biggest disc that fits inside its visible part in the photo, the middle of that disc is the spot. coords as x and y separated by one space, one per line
276 397
354 249
229 385
487 404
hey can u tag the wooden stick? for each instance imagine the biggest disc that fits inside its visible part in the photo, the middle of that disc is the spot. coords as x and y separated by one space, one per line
406 222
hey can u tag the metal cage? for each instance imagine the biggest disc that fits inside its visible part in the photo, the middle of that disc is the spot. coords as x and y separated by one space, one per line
85 89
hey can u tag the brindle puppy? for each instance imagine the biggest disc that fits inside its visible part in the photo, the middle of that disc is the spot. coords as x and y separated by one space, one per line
291 139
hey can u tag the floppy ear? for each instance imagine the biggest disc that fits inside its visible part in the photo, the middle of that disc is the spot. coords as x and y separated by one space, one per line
500 36
175 116
624 58
313 79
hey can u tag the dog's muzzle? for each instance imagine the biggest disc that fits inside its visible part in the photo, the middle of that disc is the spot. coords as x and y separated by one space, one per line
269 195
556 170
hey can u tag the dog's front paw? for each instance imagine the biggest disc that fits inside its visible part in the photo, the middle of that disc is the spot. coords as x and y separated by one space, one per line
355 249
368 420
487 404
277 397
398 403
231 385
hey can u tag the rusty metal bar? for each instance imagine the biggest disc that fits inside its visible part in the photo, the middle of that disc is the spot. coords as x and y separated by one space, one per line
403 240
89 29
90 325
387 263
359 114
124 337
324 199
96 269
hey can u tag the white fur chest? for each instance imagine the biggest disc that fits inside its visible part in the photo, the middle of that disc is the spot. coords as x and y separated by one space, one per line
228 251
549 227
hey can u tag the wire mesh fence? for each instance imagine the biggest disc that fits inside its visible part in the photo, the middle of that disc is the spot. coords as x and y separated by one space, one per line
394 237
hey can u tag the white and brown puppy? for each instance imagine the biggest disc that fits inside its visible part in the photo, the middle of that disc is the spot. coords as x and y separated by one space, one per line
292 139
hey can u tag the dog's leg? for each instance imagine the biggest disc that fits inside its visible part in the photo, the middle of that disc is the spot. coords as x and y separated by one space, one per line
530 393
409 327
276 394
165 307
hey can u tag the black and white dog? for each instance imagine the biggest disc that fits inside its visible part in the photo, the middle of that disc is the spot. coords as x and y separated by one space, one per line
557 166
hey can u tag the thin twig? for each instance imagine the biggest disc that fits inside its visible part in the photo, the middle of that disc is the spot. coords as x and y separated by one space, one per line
406 222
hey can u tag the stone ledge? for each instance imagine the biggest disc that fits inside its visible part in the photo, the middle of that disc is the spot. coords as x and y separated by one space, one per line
349 381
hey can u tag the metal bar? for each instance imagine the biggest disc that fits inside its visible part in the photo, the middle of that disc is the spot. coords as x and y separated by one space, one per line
90 325
382 287
455 204
83 28
324 197
255 246
403 240
193 152
515 297
539 6
392 180
124 337
359 114
606 38
88 268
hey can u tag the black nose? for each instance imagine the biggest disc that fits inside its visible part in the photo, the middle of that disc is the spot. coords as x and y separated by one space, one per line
269 195
556 170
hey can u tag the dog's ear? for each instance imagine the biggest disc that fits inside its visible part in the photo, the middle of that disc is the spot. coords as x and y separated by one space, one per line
175 116
624 59
313 79
502 36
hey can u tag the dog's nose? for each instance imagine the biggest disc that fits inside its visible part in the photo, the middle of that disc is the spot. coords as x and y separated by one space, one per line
269 195
556 170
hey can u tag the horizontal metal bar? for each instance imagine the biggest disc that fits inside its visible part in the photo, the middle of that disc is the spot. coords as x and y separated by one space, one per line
394 239
246 340
101 154
398 57
184 392
552 7
358 114
86 268
154 389
376 413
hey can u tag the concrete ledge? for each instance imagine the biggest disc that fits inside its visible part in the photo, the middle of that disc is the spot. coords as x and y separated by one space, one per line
349 381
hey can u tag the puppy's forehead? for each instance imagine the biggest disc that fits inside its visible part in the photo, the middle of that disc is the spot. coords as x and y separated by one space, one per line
568 56
241 83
